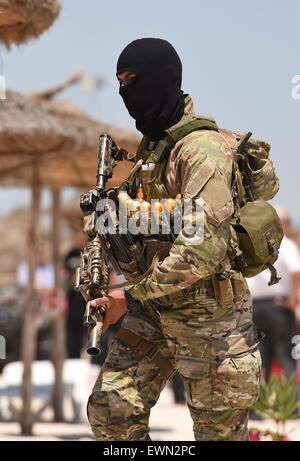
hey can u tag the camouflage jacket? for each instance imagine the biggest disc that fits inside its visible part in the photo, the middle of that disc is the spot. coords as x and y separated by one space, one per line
199 166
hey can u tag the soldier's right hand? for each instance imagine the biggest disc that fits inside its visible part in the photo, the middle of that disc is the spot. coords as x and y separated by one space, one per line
116 307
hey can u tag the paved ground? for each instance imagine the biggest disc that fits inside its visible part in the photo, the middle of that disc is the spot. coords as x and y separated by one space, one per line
168 422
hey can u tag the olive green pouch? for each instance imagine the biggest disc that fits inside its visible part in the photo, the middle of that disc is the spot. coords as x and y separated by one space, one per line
259 232
256 223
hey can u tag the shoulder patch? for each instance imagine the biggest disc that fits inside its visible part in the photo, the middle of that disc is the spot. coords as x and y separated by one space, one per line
201 177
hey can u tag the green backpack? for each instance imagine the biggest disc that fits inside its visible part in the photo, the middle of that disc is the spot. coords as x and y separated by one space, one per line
256 224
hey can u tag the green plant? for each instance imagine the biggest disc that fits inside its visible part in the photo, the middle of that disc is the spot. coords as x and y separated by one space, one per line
278 400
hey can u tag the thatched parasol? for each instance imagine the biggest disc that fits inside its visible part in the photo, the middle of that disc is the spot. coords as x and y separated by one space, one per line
56 138
43 143
21 20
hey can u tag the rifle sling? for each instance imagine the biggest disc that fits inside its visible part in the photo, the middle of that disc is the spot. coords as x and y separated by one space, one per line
148 350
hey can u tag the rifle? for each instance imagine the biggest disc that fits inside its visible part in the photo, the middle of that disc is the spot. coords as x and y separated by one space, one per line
93 273
122 250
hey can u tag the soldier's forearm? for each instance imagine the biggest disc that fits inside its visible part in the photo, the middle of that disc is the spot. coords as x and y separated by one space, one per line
181 269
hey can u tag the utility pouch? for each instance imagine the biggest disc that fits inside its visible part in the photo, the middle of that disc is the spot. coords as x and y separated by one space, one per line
259 232
223 292
239 289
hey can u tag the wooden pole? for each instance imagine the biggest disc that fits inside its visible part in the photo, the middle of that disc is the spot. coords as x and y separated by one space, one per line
58 354
29 330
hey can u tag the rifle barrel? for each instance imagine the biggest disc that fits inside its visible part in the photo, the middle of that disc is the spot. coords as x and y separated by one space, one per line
104 160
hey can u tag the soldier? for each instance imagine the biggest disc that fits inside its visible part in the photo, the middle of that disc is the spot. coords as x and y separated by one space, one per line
193 312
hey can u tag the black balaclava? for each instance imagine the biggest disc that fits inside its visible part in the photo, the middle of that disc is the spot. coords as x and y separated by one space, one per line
154 98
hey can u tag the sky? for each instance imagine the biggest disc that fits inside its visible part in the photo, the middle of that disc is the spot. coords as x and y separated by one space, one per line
239 59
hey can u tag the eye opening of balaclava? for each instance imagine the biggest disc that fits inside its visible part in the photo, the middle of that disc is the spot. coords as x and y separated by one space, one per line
154 97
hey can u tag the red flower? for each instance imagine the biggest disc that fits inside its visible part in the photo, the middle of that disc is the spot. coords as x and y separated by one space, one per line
254 436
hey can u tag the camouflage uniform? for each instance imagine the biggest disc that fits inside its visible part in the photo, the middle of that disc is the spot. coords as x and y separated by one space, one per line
213 346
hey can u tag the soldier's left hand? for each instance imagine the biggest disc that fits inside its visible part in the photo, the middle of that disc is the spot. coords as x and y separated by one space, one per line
116 307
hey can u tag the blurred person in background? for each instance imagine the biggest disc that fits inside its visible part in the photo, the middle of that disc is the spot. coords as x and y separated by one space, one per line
297 241
44 274
297 238
274 307
49 304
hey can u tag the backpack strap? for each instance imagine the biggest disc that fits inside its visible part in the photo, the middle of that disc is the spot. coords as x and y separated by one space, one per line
238 190
189 124
174 134
241 190
177 132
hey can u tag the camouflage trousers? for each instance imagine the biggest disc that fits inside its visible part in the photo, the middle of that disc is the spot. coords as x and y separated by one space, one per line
215 351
